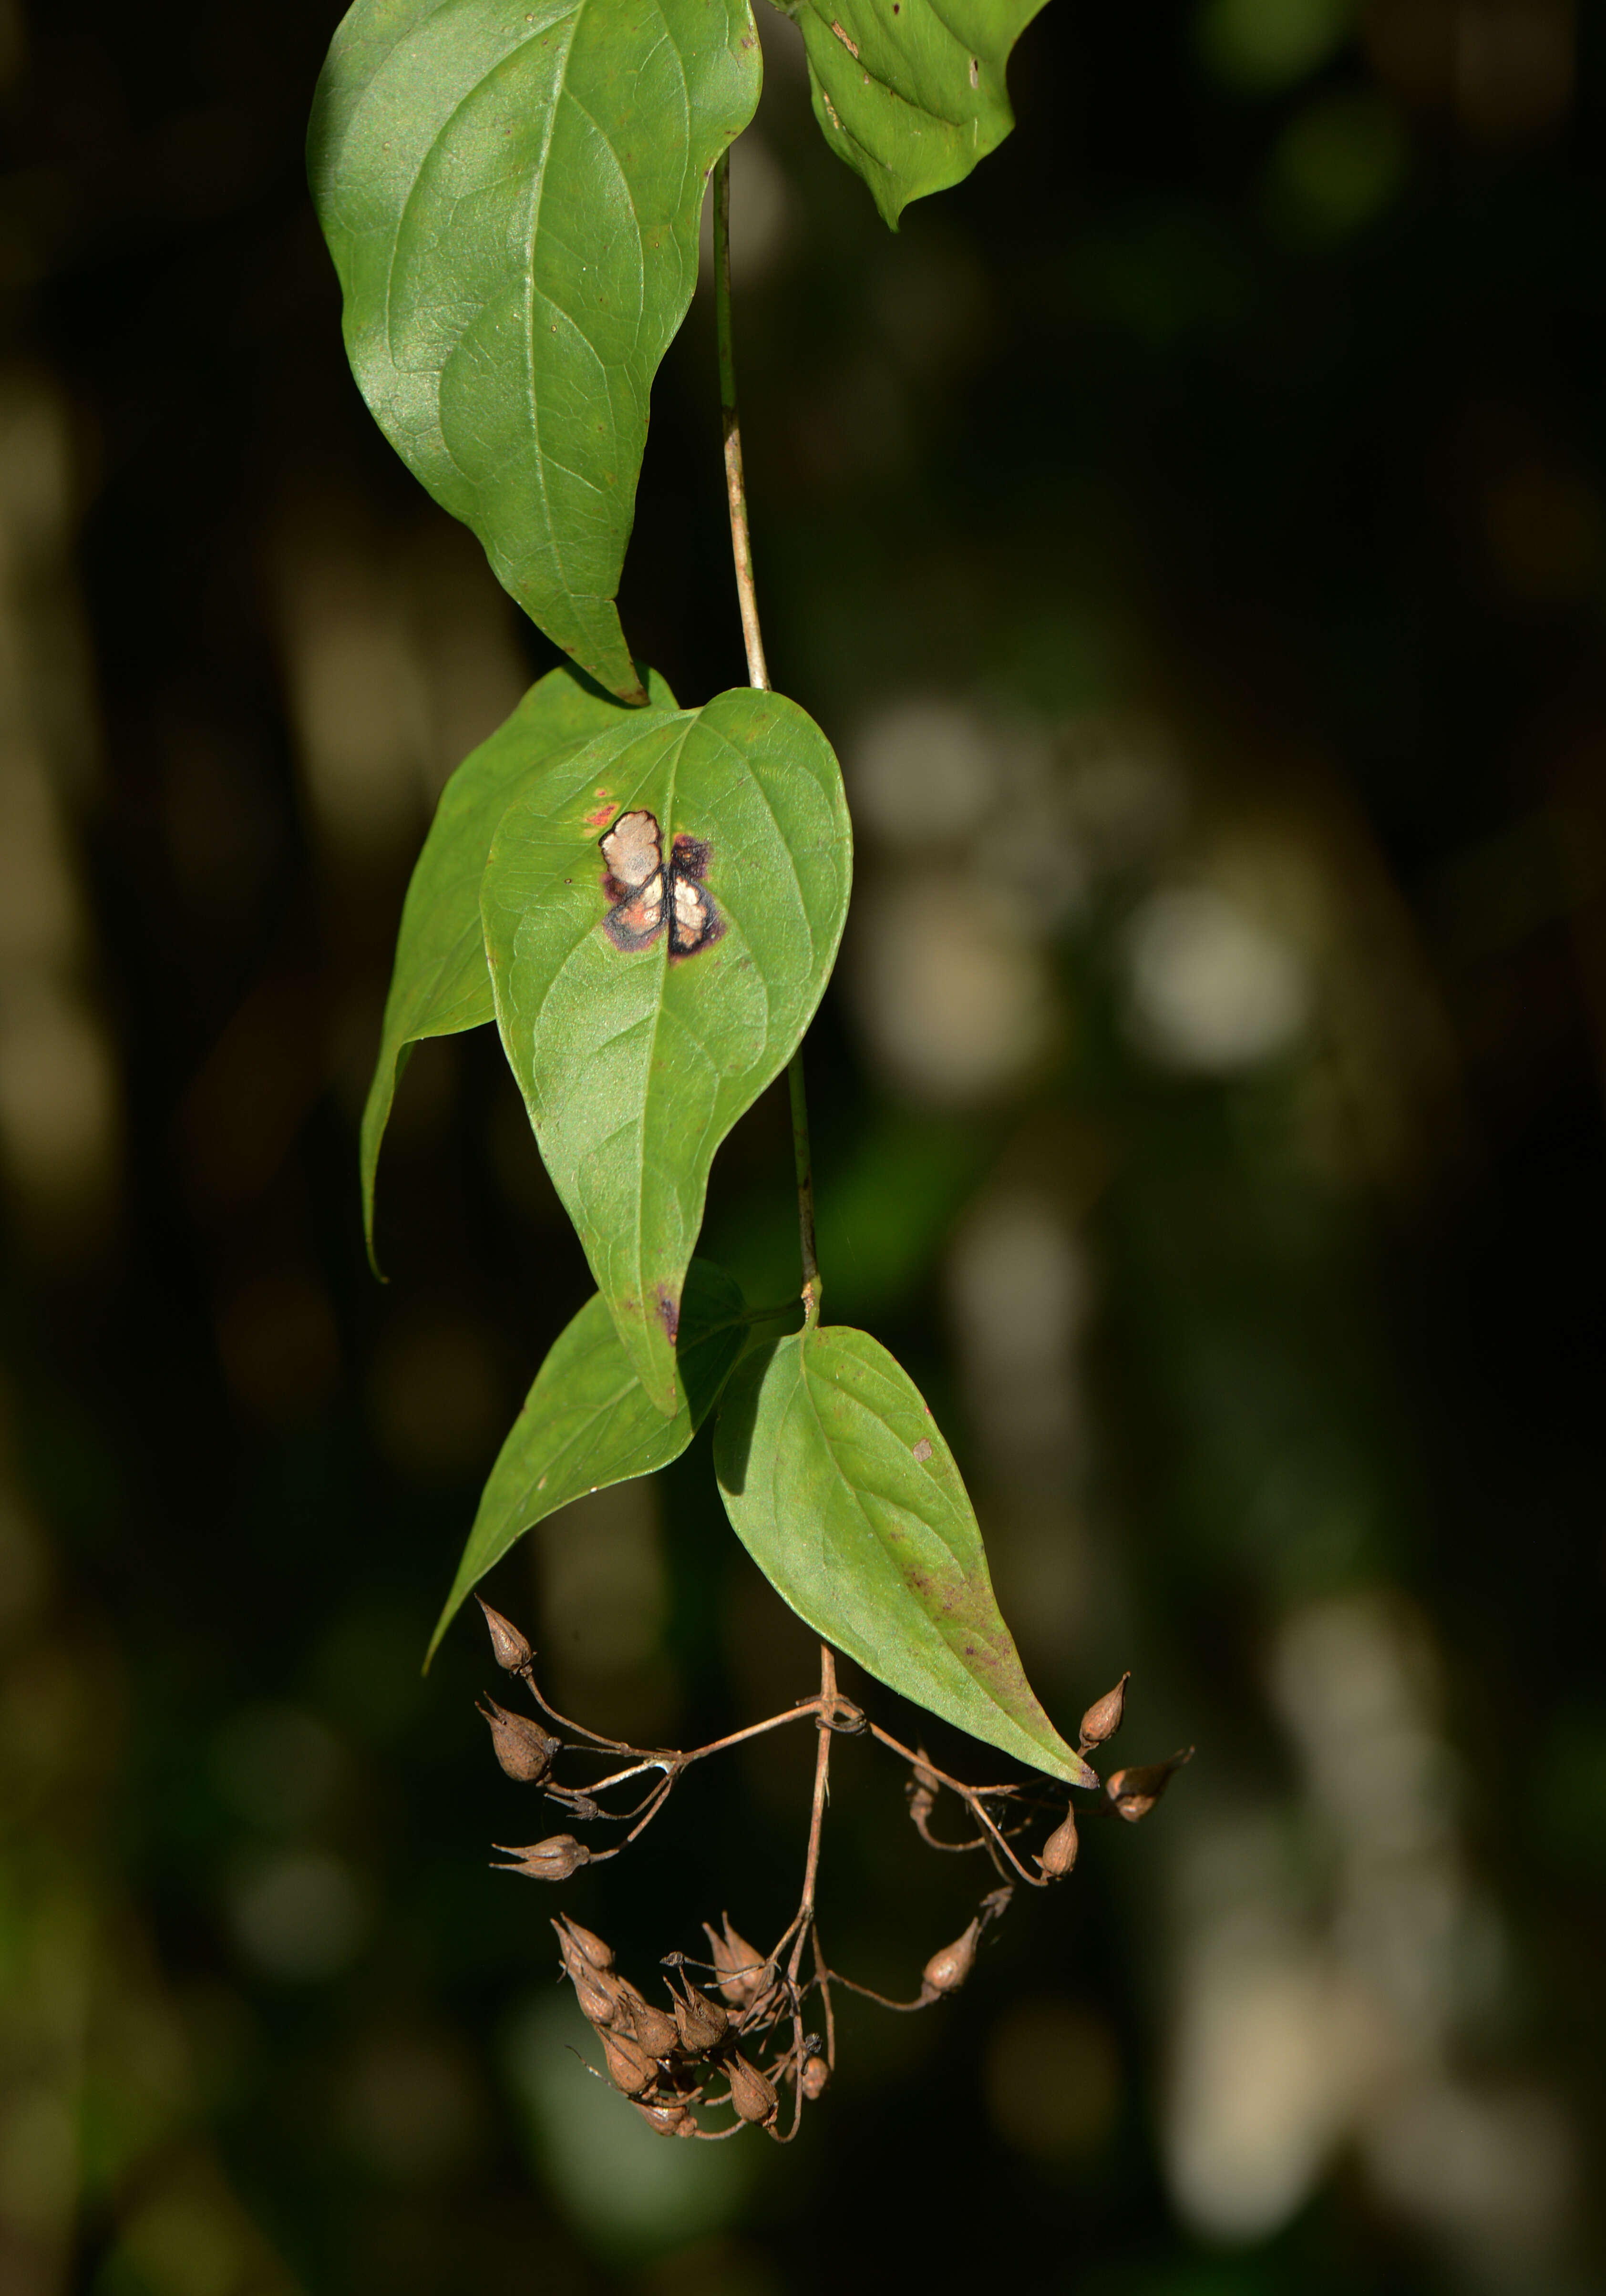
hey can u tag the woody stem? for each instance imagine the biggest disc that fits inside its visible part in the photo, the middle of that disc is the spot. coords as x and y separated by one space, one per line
758 675
822 1782
804 1163
735 485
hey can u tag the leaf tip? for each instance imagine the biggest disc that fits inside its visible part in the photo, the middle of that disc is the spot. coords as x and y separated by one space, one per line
369 1168
453 1606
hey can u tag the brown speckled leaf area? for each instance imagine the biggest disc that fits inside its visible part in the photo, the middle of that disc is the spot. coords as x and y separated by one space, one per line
839 1484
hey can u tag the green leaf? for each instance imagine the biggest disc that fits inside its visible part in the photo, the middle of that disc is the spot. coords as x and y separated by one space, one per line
587 1422
838 1483
634 1064
441 982
511 195
911 95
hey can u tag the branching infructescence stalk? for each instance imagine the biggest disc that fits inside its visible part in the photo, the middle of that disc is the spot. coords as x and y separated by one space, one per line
730 2038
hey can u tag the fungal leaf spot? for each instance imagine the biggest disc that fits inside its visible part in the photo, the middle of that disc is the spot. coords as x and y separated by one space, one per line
640 888
634 883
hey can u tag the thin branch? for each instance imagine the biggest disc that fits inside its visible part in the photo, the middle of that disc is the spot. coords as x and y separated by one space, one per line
655 1804
755 1730
975 1798
822 1787
612 1746
803 1159
735 485
822 1978
924 1762
637 1769
954 1849
758 674
920 2001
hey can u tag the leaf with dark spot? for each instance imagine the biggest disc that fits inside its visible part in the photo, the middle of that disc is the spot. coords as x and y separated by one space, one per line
634 1065
441 984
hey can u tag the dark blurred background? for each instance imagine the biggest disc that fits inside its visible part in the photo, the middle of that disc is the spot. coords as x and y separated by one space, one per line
1191 533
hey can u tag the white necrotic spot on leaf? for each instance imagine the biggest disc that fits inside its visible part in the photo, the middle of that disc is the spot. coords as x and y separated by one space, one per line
631 849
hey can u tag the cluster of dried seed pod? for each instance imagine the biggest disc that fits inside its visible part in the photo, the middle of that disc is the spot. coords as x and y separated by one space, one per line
699 2051
670 2060
746 1979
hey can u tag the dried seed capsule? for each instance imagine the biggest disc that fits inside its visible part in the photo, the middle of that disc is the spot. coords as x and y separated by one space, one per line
1133 1792
701 2022
947 1971
1058 1852
630 2068
668 2119
595 1989
816 2072
656 2031
508 1647
743 1977
522 1746
1103 1717
552 1860
588 1944
751 2092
